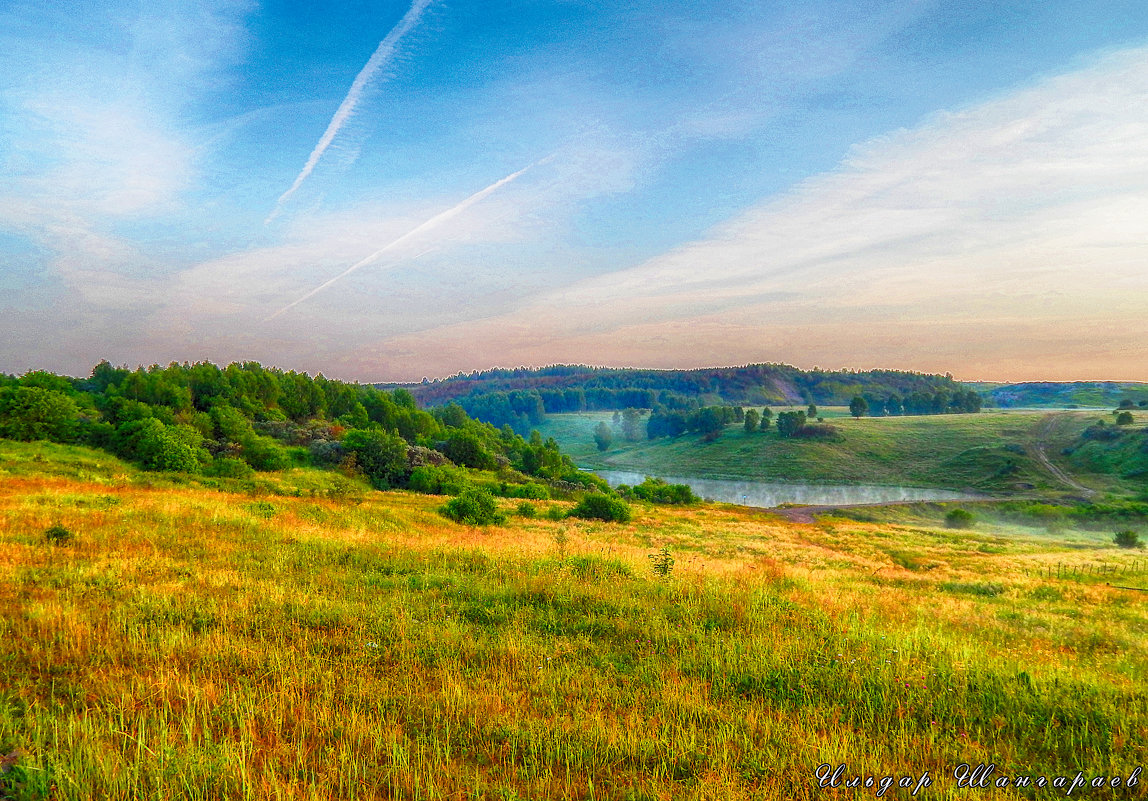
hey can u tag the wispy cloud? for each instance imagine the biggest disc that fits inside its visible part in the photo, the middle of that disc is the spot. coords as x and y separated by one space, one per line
421 228
382 56
1006 224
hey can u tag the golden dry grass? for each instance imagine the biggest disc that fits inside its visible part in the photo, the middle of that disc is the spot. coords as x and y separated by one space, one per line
193 643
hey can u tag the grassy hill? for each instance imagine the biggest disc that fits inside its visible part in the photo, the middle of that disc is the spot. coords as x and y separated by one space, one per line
282 642
990 452
1062 394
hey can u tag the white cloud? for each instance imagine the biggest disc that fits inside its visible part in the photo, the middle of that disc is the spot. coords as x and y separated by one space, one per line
1009 223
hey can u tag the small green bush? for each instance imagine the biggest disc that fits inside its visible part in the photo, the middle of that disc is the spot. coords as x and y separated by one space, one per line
229 467
475 507
58 534
554 512
662 563
959 518
527 509
596 506
1127 539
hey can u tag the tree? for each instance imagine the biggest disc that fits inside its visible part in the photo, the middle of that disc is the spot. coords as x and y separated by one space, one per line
603 437
30 413
789 423
382 456
710 423
466 449
811 412
631 419
1124 419
858 407
766 417
959 518
751 421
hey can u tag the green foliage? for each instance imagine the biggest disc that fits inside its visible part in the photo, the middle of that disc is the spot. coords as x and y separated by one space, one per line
526 509
789 423
264 453
1125 419
657 490
662 563
475 507
751 421
554 512
466 449
596 506
531 489
603 436
436 480
156 446
1127 539
58 534
381 456
858 406
959 518
32 413
229 467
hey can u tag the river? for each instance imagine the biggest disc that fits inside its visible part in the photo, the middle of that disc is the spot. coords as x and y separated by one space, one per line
767 494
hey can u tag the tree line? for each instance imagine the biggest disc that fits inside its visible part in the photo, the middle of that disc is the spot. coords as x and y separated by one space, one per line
234 420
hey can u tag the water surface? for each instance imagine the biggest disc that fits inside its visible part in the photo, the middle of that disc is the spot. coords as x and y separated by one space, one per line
770 493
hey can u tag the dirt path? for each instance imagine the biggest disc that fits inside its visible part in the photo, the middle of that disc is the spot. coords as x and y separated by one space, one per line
1036 449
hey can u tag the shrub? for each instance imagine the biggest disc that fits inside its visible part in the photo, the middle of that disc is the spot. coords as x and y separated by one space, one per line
327 452
532 490
818 431
474 507
229 467
959 518
662 563
264 453
381 456
527 509
1124 419
437 480
596 506
656 490
554 512
1127 539
58 534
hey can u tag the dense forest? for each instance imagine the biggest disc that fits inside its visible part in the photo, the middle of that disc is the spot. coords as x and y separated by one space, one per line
230 422
522 397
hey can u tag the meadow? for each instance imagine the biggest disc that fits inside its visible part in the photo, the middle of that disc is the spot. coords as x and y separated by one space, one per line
303 637
991 452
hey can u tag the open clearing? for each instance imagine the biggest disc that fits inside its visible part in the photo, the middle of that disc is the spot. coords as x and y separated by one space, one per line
197 643
991 452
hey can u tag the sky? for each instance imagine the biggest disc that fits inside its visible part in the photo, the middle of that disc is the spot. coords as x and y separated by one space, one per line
395 190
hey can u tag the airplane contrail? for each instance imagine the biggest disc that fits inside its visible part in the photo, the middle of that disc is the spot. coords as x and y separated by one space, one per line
434 221
383 54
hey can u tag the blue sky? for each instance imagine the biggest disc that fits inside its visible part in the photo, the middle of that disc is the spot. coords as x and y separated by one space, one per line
390 191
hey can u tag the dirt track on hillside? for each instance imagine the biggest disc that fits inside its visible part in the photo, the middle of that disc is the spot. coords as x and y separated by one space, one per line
1036 449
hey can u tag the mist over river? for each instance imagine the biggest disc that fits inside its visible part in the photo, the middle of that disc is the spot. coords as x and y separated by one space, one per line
767 494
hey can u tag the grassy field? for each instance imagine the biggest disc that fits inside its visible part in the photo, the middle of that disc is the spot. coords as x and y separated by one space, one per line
990 452
287 642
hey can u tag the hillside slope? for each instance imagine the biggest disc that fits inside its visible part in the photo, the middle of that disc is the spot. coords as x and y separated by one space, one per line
986 452
191 643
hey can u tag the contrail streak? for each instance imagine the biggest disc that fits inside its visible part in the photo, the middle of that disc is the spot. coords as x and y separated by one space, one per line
433 222
383 54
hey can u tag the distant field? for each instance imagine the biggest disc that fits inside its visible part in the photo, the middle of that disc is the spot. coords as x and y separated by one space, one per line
988 452
281 642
